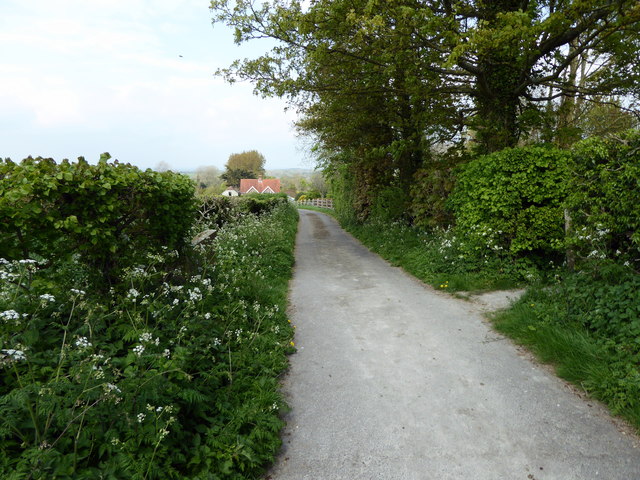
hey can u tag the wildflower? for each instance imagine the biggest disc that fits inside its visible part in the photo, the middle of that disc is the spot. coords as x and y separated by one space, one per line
83 343
207 316
195 295
163 433
133 294
141 417
216 342
145 337
47 298
292 344
9 315
138 350
166 353
115 441
75 291
110 387
12 355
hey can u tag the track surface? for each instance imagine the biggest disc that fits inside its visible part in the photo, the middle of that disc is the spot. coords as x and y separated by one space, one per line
393 380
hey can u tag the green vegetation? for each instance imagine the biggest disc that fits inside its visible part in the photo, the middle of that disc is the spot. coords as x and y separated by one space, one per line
508 211
243 165
170 373
587 325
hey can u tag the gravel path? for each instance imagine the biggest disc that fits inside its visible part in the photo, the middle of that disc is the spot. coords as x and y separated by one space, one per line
393 380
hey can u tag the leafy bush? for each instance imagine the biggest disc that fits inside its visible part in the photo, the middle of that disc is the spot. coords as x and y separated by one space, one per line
432 186
107 213
167 376
259 204
603 198
512 200
390 203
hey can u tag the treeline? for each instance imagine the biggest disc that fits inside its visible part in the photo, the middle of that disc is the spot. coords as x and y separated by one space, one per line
399 93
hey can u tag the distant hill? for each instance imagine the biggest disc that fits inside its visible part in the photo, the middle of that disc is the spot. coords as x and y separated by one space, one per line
289 172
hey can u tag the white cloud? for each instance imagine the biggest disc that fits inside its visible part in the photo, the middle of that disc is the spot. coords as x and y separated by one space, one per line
93 71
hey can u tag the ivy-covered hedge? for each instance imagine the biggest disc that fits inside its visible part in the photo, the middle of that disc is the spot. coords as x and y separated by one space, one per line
107 213
512 200
604 195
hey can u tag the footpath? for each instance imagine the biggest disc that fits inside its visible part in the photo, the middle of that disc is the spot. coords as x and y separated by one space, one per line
395 381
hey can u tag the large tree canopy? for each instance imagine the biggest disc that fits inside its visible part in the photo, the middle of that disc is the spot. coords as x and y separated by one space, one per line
383 84
248 164
497 62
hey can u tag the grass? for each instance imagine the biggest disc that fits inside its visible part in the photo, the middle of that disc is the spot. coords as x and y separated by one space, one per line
604 369
425 257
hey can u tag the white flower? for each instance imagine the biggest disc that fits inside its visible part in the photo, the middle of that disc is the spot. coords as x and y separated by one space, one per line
83 343
166 353
195 295
145 337
78 292
13 355
133 294
9 315
110 387
141 417
47 298
138 350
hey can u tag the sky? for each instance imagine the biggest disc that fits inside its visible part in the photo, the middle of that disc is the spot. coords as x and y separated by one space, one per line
133 78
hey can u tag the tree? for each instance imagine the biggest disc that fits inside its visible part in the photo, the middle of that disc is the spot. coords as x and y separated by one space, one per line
499 62
208 180
248 164
251 161
233 177
384 87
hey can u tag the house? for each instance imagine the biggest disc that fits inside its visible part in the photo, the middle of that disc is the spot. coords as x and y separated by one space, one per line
230 192
259 185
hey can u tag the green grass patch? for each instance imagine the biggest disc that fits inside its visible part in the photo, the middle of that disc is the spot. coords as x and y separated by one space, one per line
434 258
550 323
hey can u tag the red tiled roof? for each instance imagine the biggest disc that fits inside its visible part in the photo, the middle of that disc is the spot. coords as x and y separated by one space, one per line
259 185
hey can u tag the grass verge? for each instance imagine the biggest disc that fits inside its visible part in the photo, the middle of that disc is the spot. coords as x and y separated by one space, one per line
604 368
433 259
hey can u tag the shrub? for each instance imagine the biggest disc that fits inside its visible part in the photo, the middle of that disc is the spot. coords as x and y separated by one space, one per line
512 200
109 213
390 203
259 204
603 198
169 380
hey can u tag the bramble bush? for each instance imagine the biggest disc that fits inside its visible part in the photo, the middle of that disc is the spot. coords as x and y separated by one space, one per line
166 375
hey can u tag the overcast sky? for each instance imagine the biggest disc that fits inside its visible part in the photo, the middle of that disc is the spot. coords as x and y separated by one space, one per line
133 78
